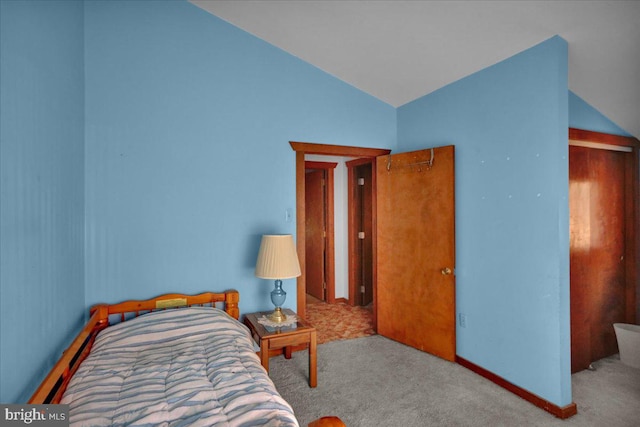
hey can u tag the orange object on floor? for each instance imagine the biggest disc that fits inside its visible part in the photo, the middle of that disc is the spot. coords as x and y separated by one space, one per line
327 422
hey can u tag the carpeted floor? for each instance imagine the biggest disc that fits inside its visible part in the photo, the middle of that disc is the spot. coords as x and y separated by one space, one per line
340 321
373 381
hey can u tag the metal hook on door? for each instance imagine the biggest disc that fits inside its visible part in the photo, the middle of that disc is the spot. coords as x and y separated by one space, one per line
427 163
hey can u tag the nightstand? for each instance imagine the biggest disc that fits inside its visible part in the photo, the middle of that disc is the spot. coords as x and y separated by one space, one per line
284 338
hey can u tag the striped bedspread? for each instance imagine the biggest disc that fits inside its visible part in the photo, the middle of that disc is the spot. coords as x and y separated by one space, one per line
185 367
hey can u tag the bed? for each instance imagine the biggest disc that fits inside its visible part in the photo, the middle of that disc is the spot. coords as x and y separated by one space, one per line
171 360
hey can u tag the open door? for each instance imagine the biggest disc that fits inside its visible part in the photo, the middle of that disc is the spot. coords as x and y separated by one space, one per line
415 249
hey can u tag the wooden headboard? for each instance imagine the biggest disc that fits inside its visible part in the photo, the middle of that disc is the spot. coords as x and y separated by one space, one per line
54 385
134 308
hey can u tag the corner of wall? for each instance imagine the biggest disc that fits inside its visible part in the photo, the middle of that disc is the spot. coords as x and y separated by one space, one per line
42 143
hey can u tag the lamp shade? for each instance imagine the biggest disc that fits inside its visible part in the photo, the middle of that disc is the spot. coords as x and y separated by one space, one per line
277 258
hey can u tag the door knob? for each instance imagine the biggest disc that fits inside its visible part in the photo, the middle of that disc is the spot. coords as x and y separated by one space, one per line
446 271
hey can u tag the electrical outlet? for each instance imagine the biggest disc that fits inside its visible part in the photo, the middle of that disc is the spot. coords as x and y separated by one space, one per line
462 320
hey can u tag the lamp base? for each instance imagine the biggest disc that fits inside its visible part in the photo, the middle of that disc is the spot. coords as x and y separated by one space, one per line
277 315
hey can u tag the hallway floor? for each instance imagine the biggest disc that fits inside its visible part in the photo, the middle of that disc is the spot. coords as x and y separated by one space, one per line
339 321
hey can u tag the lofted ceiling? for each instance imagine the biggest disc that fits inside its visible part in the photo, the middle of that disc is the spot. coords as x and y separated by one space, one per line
398 51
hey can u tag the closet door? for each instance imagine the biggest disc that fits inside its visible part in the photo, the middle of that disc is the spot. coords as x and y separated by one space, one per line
415 249
597 201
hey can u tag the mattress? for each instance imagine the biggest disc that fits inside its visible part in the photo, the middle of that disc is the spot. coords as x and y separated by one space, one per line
181 367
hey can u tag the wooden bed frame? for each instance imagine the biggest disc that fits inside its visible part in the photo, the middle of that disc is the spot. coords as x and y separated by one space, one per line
54 385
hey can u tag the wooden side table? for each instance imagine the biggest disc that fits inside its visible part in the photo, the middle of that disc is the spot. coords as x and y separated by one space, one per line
285 337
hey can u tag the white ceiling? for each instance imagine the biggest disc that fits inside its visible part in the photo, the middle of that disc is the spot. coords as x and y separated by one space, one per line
399 51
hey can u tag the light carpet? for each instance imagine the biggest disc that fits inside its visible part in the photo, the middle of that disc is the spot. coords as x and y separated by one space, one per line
374 381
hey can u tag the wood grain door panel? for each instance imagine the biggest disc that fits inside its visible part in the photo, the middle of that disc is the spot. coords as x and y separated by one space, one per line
367 242
364 248
315 233
415 242
597 248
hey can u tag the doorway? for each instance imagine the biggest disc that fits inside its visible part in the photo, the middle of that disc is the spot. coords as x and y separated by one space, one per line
603 199
409 271
301 149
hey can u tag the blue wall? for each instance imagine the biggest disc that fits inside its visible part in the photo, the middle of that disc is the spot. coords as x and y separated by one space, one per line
584 116
509 125
187 156
184 142
42 213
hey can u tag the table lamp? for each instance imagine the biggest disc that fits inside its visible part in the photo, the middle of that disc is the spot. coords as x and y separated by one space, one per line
277 259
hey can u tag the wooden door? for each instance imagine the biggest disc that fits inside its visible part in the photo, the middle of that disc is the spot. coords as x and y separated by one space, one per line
364 221
415 249
315 233
597 252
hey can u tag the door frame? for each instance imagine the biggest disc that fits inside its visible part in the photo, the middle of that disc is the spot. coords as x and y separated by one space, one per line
329 213
302 148
632 208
